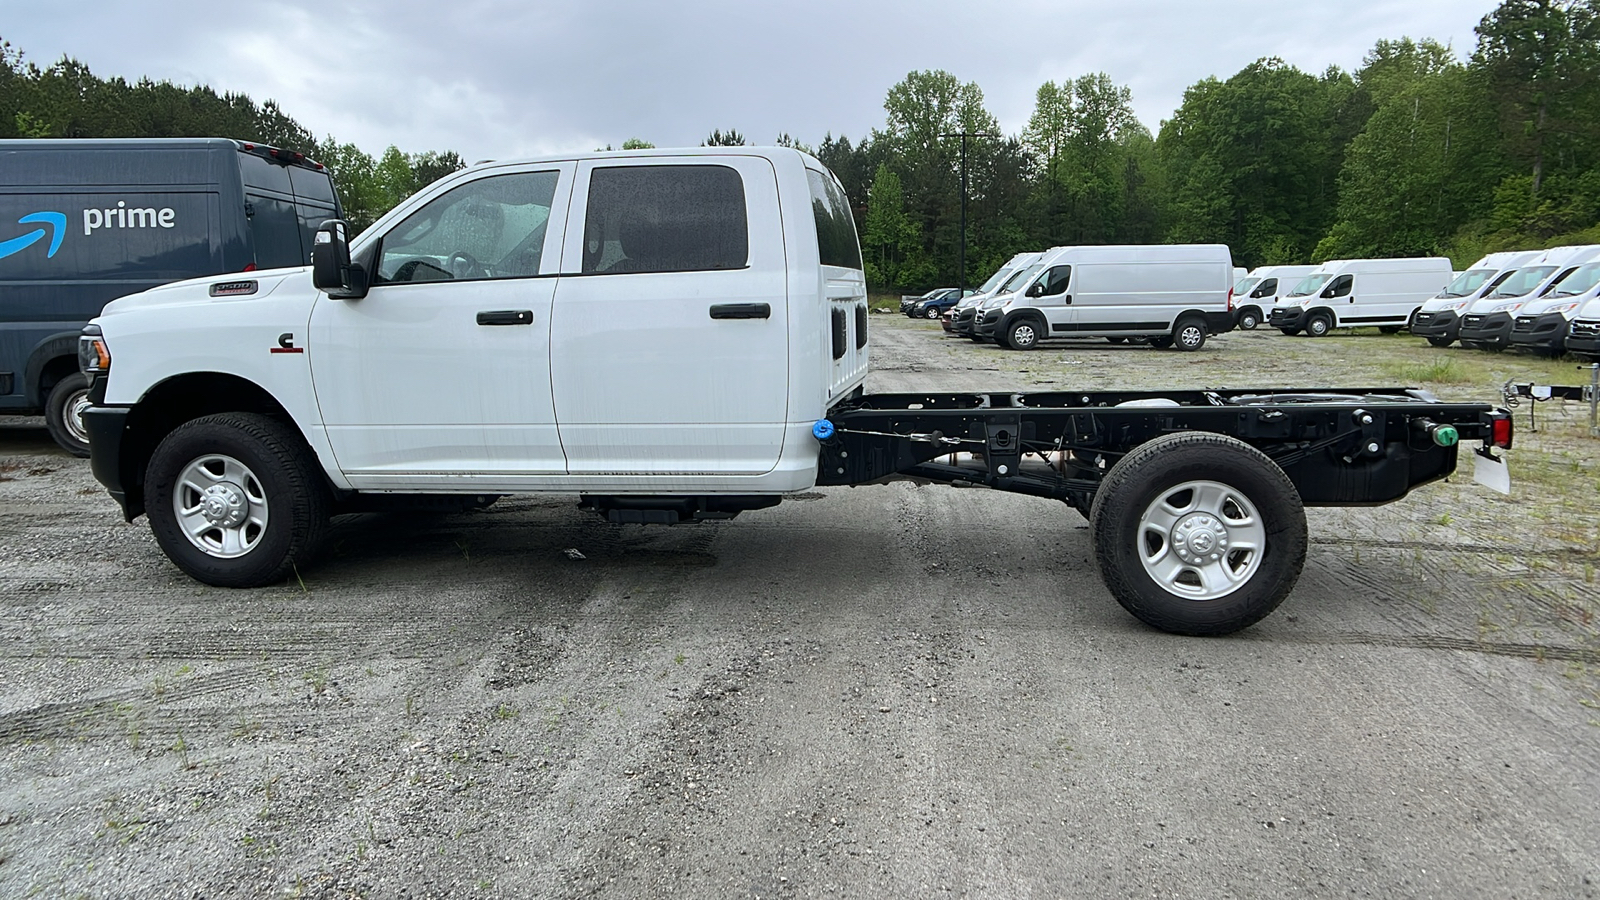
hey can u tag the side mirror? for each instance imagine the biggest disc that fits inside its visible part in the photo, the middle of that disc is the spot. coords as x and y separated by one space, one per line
1036 289
331 269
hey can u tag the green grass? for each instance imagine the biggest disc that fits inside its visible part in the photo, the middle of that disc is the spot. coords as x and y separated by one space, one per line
1444 370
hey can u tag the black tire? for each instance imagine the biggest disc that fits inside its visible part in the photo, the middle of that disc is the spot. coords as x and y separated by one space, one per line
1161 341
276 464
1117 340
1023 334
1249 318
63 414
1159 469
1189 334
1291 332
1389 329
1441 341
931 312
1318 325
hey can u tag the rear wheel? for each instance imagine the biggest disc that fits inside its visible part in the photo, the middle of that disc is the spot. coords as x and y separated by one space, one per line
1198 533
1291 332
1161 342
236 500
63 413
1249 318
1389 329
1190 334
1117 340
1318 325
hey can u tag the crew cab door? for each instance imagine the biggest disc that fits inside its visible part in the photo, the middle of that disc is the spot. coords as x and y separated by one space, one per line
440 375
669 342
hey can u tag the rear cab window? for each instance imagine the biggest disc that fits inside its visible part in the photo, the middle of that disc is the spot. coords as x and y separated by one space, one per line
682 218
836 227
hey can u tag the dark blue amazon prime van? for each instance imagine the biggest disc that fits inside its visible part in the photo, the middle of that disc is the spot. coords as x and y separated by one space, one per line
83 222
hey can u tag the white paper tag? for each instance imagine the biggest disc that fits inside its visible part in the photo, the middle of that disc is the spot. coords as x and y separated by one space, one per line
1541 392
1492 473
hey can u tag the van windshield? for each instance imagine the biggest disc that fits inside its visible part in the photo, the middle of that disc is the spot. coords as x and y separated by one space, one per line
1310 284
1467 282
1243 285
994 280
1522 281
1584 279
1023 276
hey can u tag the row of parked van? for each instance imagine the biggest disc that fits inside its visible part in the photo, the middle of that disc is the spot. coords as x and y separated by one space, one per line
1546 301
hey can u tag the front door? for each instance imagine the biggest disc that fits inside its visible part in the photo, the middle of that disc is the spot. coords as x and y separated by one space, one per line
440 376
1055 299
669 342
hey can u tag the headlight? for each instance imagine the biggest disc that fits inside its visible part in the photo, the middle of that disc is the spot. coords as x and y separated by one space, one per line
1507 307
1456 305
94 358
1563 308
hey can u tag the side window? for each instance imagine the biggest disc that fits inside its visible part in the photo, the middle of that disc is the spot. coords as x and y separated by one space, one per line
1055 280
490 228
665 219
1265 289
1340 286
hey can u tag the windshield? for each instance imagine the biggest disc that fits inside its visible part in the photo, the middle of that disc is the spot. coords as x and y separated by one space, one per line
1243 286
1015 282
995 279
1578 282
1467 282
1310 284
1522 281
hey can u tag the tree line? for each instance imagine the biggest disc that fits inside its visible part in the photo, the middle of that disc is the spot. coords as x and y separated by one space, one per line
1416 152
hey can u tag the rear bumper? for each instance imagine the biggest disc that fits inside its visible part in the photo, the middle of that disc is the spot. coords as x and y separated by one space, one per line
1437 323
106 425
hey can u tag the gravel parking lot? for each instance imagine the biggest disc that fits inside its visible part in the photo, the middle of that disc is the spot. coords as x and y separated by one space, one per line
885 691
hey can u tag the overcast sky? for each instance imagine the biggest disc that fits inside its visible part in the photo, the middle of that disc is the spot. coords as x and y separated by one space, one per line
494 78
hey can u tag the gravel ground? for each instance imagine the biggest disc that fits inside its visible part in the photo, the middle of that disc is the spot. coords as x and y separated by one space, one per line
875 692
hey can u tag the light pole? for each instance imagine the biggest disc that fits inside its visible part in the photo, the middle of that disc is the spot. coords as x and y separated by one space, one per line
961 276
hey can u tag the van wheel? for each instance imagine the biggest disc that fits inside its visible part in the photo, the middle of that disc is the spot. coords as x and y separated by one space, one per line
1318 325
1389 329
1189 335
1291 332
1441 341
1022 335
1249 318
1198 533
1117 340
63 414
236 500
1161 342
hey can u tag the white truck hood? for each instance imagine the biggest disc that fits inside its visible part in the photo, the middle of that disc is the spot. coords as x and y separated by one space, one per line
230 288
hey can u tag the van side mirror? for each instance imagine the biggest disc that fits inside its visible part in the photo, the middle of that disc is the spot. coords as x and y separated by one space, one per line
1036 289
331 269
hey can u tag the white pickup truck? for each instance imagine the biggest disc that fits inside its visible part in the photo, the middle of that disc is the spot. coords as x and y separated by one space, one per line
675 336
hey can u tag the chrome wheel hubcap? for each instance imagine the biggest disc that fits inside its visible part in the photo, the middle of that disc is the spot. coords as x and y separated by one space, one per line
1201 540
221 506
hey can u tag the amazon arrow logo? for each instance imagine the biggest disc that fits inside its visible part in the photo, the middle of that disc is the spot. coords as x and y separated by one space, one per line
58 230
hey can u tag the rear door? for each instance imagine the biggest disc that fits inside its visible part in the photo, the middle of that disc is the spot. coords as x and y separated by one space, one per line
669 345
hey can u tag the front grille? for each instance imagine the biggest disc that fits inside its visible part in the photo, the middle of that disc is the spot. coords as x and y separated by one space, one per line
1524 324
1423 318
1472 321
1586 328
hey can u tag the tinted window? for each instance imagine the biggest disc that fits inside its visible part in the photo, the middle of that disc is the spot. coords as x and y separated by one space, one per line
665 219
312 185
275 232
1055 280
1340 286
836 228
1267 288
489 228
258 173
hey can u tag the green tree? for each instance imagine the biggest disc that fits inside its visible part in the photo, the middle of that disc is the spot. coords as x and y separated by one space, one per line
729 138
891 241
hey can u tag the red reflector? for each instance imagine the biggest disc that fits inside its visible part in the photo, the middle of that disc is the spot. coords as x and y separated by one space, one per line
249 268
249 146
1502 433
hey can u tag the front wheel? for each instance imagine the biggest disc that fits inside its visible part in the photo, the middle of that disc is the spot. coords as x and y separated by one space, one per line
1198 533
1291 332
1441 341
63 414
236 500
1022 335
931 313
1249 318
1318 325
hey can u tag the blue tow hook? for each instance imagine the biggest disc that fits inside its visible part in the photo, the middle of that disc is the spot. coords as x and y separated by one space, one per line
822 430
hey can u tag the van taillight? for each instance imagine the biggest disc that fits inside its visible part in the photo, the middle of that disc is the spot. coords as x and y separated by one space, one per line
1230 299
249 267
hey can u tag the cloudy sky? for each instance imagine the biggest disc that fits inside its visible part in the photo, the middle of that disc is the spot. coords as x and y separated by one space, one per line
496 78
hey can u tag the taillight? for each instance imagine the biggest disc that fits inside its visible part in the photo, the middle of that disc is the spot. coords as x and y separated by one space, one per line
1230 299
249 267
1500 431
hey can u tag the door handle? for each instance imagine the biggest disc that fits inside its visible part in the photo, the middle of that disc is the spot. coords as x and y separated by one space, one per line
1067 300
741 311
506 317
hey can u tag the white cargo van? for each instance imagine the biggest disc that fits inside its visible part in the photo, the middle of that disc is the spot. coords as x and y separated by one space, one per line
990 287
1344 293
1542 325
1439 319
1170 294
1486 324
1256 292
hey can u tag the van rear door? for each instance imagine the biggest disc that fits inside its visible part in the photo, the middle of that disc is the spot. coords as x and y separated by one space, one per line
669 343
